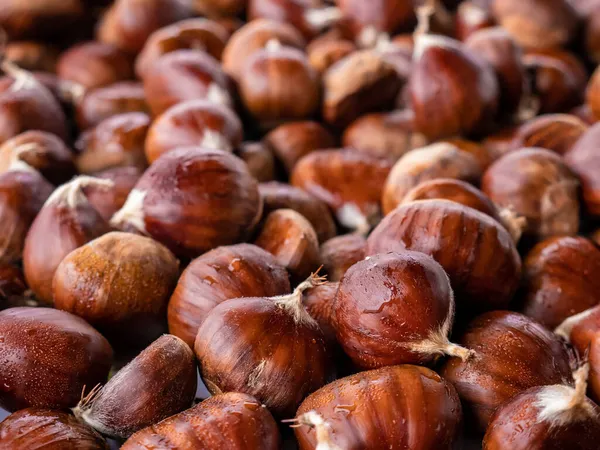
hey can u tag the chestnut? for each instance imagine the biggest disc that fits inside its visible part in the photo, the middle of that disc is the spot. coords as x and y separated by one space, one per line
288 236
218 8
193 34
478 254
556 416
385 135
184 75
37 428
477 149
590 38
583 160
260 160
592 95
43 151
556 132
115 281
94 64
426 415
66 222
338 254
252 37
318 302
441 160
193 200
159 382
108 201
195 122
104 102
242 270
277 195
511 354
350 182
280 366
49 357
538 186
279 85
233 420
470 18
115 142
32 55
322 54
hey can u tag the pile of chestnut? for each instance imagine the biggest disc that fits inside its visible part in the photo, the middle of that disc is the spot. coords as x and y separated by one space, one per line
351 224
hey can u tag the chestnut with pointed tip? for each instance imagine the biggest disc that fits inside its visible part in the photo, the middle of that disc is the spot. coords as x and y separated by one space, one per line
556 132
108 201
319 302
471 17
338 254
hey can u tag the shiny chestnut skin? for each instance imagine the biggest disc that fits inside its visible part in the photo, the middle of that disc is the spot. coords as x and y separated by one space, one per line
470 18
50 356
260 160
476 251
556 132
441 160
183 75
242 270
115 142
218 8
108 201
194 34
157 383
276 195
293 140
43 151
195 122
583 160
338 254
512 353
561 277
193 200
539 186
107 101
94 64
41 428
386 16
427 415
592 95
322 54
32 55
233 420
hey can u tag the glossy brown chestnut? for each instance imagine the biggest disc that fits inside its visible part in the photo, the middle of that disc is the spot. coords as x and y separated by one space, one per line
108 201
12 283
512 353
441 160
338 254
584 160
40 428
260 160
592 96
159 382
277 195
183 75
277 353
322 54
235 271
556 132
537 185
234 421
318 301
49 357
66 222
470 18
427 415
195 122
193 200
32 55
116 281
387 16
478 254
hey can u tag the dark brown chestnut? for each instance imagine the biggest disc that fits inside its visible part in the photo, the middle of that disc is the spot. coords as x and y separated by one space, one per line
322 54
338 254
584 160
556 132
260 160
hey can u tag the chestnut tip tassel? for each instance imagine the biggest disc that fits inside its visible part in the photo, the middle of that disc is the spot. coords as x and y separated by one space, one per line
292 303
322 429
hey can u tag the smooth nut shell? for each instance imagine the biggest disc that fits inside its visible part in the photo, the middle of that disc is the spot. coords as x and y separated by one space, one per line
108 201
338 254
556 132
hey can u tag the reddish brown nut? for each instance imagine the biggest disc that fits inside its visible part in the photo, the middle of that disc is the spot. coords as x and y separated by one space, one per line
318 301
338 254
512 353
290 237
108 101
584 160
478 254
556 132
252 37
259 159
12 284
183 75
537 185
279 85
196 122
193 200
159 382
291 141
234 271
322 54
234 421
441 160
428 413
218 8
37 428
478 150
193 34
94 64
470 18
537 24
43 151
115 142
108 201
49 357
32 55
561 277
127 24
593 94
362 82
119 282
66 222
590 38
277 195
